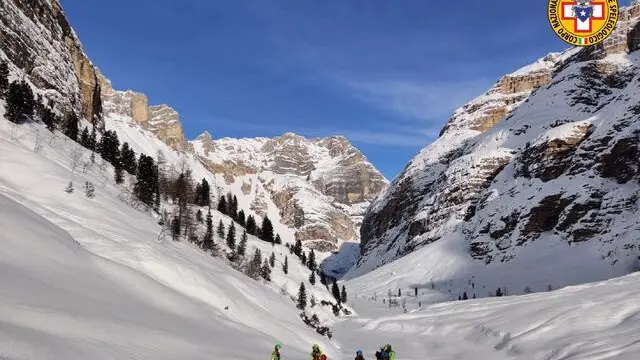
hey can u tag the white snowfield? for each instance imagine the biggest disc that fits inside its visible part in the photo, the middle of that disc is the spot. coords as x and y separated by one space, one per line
87 279
593 321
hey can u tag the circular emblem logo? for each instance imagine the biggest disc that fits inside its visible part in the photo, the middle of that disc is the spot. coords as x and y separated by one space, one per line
581 22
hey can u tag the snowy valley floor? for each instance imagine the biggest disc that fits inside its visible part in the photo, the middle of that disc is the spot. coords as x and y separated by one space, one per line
592 321
87 279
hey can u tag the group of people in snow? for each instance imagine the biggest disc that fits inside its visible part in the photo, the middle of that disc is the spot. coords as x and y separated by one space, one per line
385 353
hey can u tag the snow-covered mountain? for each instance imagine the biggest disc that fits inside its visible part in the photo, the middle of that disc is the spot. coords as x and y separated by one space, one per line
316 189
86 272
42 49
542 167
320 187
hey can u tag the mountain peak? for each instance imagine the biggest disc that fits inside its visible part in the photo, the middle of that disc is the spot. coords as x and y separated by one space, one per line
205 136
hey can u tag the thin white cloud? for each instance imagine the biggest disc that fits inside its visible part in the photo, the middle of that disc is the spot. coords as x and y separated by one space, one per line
399 137
416 100
388 139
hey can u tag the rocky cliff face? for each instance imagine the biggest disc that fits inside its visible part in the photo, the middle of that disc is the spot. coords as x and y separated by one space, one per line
318 186
37 38
550 151
161 120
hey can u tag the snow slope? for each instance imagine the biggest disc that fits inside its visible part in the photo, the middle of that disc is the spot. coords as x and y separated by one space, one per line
587 322
86 278
104 284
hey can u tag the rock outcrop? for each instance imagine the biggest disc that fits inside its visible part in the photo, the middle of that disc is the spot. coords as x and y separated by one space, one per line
543 153
319 186
161 120
37 38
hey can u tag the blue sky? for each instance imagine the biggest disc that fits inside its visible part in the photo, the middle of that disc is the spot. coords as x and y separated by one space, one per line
386 74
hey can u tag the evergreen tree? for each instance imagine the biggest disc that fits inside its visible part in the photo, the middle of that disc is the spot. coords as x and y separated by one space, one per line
199 216
71 122
20 102
118 174
253 270
303 258
202 193
146 180
207 241
232 205
183 193
93 138
89 190
69 188
302 297
4 79
241 218
465 296
266 230
335 291
415 291
205 193
251 225
109 149
285 266
297 248
231 236
399 292
323 279
265 271
278 240
272 260
50 119
311 262
84 138
312 278
242 247
498 292
175 228
222 205
128 158
343 295
221 230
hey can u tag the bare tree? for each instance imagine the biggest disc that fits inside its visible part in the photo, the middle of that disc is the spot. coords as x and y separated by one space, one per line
164 227
15 133
37 140
52 139
76 156
86 165
102 166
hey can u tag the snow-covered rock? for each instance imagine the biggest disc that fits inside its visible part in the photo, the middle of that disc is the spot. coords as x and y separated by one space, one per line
320 187
550 151
36 36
